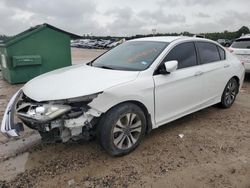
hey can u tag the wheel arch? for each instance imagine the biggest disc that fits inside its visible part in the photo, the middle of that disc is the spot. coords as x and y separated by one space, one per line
238 81
149 124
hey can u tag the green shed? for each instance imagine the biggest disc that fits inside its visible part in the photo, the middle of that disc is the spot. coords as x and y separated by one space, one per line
38 50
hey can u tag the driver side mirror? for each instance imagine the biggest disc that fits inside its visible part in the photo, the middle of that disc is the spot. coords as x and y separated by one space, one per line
168 67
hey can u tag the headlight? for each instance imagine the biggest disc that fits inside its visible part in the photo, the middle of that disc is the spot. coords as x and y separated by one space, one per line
86 98
44 112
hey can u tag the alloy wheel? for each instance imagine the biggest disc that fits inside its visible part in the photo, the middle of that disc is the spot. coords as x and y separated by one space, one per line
231 92
127 131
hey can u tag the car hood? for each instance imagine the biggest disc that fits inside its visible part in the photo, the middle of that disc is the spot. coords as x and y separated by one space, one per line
75 81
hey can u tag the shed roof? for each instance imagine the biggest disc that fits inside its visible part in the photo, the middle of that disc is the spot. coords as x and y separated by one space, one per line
35 29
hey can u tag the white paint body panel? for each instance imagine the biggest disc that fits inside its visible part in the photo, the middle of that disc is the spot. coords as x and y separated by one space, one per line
176 93
75 81
140 90
243 55
166 97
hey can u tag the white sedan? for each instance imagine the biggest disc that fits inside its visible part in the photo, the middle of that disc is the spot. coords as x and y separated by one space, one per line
126 92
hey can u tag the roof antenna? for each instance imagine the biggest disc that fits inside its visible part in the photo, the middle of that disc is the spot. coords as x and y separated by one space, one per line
154 31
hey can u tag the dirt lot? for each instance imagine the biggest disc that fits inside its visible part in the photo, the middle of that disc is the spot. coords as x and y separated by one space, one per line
84 55
214 152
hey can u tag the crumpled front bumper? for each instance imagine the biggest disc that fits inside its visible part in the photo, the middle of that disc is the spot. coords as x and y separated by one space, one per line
72 124
8 126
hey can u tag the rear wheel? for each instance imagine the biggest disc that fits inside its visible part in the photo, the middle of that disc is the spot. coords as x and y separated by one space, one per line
121 129
230 93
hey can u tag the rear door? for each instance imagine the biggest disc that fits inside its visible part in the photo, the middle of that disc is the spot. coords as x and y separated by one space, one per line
214 67
178 93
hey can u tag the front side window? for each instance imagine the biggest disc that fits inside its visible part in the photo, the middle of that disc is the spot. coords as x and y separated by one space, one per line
208 52
134 56
242 43
184 53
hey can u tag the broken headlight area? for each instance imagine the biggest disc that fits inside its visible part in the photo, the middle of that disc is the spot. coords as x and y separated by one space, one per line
58 120
41 112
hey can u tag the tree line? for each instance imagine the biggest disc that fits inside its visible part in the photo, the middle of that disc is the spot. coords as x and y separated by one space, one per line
213 36
3 38
230 35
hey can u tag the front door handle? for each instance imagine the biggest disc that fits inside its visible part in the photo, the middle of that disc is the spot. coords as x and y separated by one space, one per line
198 73
226 65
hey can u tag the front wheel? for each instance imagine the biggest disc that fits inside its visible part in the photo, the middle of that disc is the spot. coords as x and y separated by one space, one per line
230 93
121 129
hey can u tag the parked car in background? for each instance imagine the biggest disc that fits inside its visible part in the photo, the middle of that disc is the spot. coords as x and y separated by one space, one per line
241 48
91 43
82 43
74 43
94 43
133 88
103 43
113 44
224 42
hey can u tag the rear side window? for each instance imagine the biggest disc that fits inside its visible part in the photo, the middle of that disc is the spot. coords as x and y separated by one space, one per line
241 43
184 53
209 52
222 53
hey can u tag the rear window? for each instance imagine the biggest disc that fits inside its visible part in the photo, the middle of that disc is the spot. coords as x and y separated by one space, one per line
222 53
241 43
209 52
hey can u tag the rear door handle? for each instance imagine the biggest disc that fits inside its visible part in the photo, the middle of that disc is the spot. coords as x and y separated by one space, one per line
226 65
198 73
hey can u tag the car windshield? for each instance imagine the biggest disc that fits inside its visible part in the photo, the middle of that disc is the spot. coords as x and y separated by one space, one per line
242 43
133 55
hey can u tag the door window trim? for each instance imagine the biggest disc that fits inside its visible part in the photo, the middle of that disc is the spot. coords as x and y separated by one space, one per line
217 47
196 53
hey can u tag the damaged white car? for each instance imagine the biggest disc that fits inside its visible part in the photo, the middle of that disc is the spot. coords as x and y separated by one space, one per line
126 92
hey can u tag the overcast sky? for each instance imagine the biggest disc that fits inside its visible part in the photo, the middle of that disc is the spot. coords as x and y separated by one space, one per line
125 17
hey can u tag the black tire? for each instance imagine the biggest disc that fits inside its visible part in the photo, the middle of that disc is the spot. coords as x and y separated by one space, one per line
109 129
229 94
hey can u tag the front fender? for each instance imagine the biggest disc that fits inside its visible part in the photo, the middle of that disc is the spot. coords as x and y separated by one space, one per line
141 90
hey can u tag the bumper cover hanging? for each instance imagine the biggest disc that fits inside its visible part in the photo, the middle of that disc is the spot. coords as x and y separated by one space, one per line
8 126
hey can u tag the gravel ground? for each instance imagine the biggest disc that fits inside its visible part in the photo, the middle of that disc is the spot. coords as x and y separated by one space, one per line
214 152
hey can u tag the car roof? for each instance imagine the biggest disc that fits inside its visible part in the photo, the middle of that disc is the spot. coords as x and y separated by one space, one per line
247 36
159 39
170 39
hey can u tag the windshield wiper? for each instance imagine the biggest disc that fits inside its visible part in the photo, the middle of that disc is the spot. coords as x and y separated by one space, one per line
103 66
106 67
90 63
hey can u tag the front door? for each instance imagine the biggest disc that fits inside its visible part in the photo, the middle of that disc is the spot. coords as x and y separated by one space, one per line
178 93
